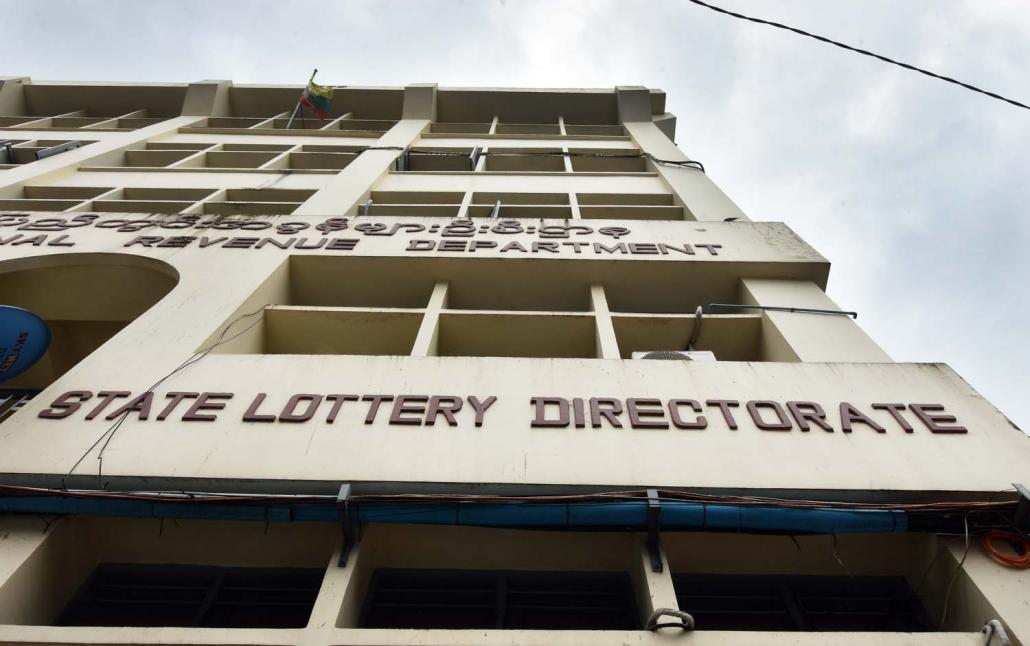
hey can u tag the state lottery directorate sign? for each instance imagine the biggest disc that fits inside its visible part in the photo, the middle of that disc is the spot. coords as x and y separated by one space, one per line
545 411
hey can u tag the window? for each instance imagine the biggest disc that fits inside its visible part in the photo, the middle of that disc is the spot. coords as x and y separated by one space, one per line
548 206
160 155
423 159
348 126
52 198
731 337
522 205
82 120
525 160
496 307
204 201
150 200
628 206
104 571
121 288
500 129
12 400
338 331
607 160
322 157
194 596
494 159
594 131
516 129
459 128
412 203
800 603
14 152
257 201
517 334
265 157
275 124
525 600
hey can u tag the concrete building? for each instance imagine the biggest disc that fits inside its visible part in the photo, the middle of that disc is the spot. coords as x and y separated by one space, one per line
391 378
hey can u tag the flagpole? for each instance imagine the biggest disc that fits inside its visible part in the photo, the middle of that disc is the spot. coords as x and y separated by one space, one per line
297 107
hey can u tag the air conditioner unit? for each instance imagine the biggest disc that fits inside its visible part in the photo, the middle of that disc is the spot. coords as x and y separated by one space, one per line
677 355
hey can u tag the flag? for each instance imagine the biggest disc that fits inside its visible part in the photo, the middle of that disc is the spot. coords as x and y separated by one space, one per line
317 98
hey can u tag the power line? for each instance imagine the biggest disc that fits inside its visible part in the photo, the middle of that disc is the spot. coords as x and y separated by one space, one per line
864 52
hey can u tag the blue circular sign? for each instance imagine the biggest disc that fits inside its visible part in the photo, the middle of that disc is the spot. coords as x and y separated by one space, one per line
24 339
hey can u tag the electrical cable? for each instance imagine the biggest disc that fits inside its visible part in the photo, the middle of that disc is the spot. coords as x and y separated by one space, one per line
968 507
197 356
837 558
622 508
683 163
954 575
858 50
1018 562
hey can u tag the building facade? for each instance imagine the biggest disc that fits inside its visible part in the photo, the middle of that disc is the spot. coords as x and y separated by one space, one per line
458 366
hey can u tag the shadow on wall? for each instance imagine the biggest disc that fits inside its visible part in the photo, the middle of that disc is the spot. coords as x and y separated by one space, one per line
85 299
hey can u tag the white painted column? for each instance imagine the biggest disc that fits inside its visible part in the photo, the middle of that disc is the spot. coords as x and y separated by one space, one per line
655 589
795 336
607 345
12 95
698 194
429 332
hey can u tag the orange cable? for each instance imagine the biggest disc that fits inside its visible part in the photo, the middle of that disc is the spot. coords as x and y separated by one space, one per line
1021 562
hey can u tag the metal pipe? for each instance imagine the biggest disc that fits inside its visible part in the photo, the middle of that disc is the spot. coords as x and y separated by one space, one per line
59 148
777 308
616 515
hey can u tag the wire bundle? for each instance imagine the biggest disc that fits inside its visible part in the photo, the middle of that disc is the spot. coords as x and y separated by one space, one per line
1018 561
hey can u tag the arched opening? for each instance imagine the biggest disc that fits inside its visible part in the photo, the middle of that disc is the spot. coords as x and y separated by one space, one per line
85 300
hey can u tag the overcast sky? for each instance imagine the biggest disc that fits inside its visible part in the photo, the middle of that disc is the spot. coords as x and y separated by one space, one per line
916 190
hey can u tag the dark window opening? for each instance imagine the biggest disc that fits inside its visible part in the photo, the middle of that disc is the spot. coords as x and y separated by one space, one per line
14 399
800 603
194 596
497 599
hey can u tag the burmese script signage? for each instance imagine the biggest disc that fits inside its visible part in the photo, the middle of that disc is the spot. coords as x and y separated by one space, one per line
510 237
544 412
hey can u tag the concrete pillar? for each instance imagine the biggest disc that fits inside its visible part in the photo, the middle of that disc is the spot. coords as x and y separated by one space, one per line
208 99
337 597
982 590
792 336
12 95
607 345
41 567
420 101
655 589
429 332
350 186
698 194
